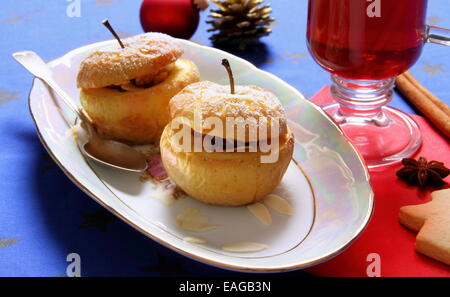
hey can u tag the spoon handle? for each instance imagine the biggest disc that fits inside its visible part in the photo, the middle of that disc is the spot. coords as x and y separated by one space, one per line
98 147
34 64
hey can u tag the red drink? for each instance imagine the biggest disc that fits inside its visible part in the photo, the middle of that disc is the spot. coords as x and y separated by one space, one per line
347 42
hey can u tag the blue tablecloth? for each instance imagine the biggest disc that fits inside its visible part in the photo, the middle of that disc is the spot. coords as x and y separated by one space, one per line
43 216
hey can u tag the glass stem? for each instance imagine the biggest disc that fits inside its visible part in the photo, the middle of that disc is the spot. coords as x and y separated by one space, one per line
437 35
362 99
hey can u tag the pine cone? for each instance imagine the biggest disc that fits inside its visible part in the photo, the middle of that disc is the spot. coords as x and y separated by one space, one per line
239 22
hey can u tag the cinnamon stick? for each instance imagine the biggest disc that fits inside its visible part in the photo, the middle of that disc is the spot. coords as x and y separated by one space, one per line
435 110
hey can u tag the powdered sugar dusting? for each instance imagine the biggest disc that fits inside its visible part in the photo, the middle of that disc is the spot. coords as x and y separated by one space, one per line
261 213
143 54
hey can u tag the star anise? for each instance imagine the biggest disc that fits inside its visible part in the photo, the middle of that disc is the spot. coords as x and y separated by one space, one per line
423 172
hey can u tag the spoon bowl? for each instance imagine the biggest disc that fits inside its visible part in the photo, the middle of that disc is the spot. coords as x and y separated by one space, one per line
108 152
115 154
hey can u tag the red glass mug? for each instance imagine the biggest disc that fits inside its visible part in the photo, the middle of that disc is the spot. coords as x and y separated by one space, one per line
365 44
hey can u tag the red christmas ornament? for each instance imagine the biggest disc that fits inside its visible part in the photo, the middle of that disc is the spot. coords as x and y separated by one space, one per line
178 18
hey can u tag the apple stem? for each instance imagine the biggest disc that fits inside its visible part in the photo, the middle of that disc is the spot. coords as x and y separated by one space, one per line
110 28
227 66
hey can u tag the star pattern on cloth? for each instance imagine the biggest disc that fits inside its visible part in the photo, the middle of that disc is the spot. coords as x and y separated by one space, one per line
432 70
98 219
434 20
5 242
22 18
167 266
6 96
103 2
121 34
294 58
124 34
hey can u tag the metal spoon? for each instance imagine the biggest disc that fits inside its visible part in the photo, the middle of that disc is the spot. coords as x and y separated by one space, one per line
108 152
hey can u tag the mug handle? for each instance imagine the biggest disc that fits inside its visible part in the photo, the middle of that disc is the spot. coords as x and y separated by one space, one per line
437 35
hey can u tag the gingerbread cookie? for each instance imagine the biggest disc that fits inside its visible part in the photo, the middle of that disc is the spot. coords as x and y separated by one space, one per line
432 222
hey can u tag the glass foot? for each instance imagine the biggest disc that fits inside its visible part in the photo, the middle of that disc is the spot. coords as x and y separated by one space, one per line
382 139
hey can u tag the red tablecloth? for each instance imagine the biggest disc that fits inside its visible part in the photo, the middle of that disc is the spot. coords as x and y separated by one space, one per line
384 235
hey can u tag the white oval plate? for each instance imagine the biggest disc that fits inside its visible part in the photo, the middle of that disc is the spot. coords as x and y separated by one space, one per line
327 184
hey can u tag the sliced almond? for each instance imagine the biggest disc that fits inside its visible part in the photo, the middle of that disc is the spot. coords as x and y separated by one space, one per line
190 220
278 204
187 213
208 227
165 197
261 213
195 240
244 247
